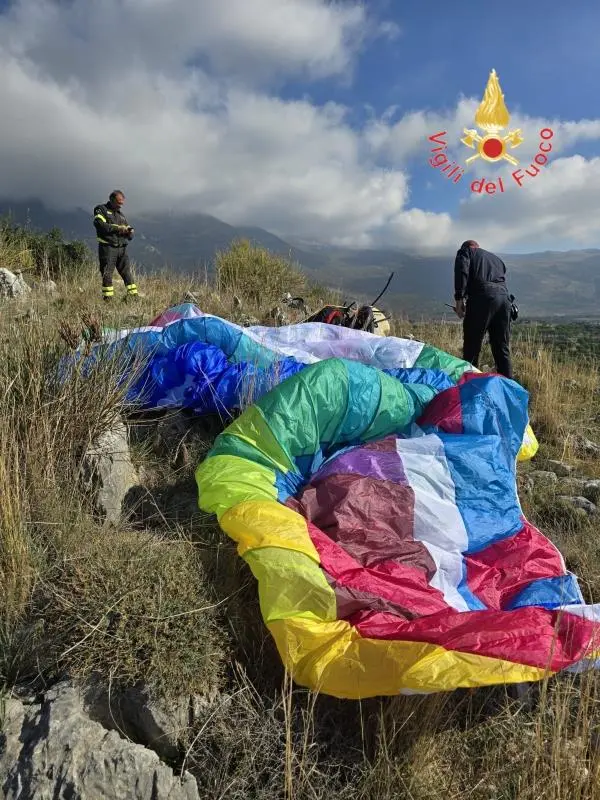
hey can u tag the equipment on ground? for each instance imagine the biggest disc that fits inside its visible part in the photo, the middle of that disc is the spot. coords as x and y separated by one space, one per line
360 317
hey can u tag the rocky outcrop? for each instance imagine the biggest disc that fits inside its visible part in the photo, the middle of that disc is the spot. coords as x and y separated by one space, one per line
591 491
12 284
108 472
571 486
587 447
47 287
580 502
52 750
560 468
542 478
164 726
158 725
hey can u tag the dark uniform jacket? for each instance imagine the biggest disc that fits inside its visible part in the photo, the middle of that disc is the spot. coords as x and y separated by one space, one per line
111 226
477 271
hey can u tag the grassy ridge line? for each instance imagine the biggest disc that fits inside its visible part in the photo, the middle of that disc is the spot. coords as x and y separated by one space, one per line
174 606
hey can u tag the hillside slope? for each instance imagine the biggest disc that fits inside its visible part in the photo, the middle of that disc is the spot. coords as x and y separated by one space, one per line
547 284
161 599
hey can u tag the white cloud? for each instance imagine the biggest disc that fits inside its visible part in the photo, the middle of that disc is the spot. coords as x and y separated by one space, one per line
134 115
175 100
560 204
240 37
389 30
409 136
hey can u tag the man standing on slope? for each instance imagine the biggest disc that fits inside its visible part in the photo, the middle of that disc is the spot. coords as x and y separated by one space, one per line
479 276
114 233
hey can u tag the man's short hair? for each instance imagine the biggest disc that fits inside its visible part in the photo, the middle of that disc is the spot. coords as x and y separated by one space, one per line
469 243
114 195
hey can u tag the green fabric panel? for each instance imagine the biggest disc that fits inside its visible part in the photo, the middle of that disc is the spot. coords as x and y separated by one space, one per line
253 352
291 585
432 358
332 401
363 401
225 480
306 409
400 405
252 430
226 445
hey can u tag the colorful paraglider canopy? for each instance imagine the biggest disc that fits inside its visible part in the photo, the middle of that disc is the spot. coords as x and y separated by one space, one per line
382 523
201 362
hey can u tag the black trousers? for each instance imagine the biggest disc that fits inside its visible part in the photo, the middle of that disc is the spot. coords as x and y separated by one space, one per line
112 258
488 313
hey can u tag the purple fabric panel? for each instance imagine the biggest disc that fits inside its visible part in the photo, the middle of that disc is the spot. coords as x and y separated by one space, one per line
382 463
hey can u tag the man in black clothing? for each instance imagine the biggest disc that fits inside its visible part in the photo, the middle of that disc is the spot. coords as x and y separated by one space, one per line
114 233
483 303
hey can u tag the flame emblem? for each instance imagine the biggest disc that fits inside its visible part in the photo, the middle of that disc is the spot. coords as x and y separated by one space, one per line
492 116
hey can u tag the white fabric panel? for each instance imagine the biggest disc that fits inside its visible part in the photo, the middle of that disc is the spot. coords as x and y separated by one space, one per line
310 342
313 341
591 612
438 522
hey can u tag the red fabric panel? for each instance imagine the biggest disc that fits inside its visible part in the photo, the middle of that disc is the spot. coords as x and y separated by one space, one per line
444 412
164 319
470 376
532 635
349 601
500 571
403 585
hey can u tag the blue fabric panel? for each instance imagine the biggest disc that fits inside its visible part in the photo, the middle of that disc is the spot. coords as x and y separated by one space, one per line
549 593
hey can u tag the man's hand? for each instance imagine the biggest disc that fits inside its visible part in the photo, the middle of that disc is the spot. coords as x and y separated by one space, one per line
460 308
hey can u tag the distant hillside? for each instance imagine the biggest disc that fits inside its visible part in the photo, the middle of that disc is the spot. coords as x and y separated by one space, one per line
184 242
546 284
565 284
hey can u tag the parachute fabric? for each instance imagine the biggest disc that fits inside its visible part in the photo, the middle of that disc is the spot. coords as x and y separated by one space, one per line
382 523
209 365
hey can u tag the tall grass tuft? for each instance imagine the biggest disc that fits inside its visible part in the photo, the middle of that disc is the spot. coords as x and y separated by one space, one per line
256 275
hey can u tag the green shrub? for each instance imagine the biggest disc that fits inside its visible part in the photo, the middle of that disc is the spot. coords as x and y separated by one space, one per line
255 274
47 254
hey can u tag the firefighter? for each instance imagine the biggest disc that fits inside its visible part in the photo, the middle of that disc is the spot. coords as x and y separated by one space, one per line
114 233
484 304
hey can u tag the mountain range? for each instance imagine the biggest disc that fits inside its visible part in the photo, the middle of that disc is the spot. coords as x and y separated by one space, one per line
547 284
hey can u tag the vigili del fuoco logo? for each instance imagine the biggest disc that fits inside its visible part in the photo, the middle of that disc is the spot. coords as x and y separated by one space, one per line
491 118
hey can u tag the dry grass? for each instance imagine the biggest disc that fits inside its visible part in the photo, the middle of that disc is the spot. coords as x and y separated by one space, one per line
169 602
256 275
81 599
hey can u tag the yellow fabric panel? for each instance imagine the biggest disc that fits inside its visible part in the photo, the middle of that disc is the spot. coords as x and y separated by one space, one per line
530 445
252 428
99 216
290 585
259 523
225 481
332 658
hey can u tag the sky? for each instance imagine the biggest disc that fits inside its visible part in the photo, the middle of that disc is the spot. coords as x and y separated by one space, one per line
310 118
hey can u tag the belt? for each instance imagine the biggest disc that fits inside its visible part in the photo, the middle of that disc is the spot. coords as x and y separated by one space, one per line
108 244
482 286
